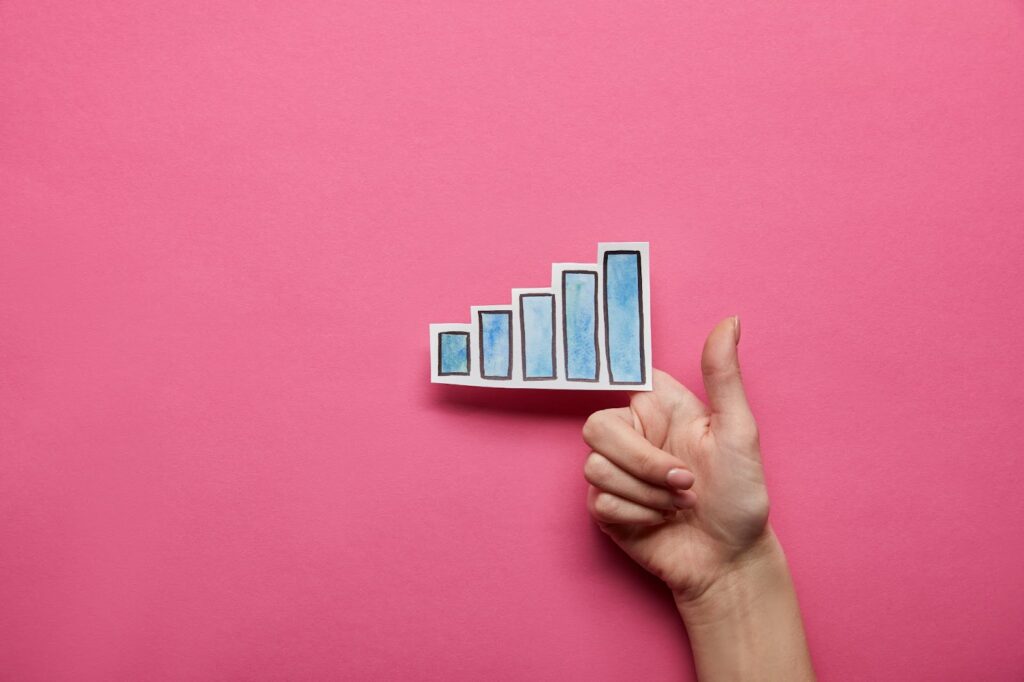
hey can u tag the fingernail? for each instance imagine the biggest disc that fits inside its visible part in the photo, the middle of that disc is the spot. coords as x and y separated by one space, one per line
679 478
736 327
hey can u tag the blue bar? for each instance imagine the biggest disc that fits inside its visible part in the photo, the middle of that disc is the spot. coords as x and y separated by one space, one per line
579 324
537 317
496 344
453 353
623 305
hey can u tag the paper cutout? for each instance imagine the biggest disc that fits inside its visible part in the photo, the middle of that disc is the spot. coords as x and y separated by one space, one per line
590 330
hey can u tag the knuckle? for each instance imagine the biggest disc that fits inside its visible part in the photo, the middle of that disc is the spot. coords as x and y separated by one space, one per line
594 426
646 465
606 506
716 370
596 469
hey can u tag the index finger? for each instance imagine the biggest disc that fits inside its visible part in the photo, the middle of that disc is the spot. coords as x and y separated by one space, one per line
611 433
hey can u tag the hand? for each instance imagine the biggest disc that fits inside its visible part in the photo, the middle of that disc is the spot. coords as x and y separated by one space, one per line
678 484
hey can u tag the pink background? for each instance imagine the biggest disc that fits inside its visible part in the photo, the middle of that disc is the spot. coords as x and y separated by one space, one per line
220 457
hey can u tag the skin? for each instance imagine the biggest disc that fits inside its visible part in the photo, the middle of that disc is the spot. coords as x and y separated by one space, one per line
679 486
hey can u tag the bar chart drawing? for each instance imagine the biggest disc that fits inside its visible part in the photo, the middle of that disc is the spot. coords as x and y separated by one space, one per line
589 330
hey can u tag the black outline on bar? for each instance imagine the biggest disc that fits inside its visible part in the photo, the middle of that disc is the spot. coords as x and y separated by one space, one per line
565 331
469 356
522 337
640 304
480 334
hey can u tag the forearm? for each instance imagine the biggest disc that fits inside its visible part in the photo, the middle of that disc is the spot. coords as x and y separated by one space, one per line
747 624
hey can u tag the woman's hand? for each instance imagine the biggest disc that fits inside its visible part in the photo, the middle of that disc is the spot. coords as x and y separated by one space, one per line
678 484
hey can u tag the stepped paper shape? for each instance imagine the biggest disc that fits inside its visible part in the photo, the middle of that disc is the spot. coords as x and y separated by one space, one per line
591 330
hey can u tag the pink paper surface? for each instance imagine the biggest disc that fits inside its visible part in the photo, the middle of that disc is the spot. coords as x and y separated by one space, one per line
225 228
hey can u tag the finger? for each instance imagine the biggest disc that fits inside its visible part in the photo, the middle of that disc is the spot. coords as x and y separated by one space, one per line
673 396
609 433
670 403
720 364
602 473
685 499
612 509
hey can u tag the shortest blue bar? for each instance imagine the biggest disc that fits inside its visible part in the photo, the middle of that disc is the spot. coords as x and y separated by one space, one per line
452 353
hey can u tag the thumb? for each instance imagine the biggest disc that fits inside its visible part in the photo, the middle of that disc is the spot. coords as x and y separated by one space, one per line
720 364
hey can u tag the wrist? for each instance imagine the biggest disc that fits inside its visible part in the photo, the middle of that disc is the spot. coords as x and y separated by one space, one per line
755 574
746 624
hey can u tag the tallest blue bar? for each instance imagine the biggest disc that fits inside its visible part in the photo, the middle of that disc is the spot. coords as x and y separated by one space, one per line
623 316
